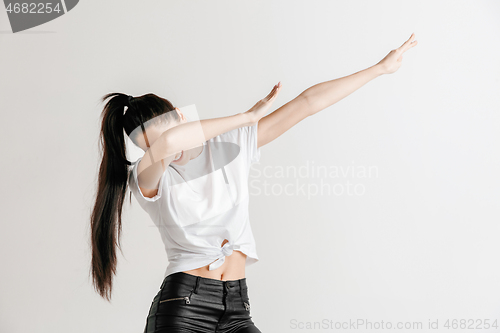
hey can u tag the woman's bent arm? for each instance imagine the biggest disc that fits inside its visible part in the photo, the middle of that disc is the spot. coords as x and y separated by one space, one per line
181 137
189 135
193 134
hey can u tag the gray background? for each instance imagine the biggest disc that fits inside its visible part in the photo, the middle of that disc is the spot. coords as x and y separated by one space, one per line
420 243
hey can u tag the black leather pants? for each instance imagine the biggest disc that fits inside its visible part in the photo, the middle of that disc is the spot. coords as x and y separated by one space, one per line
188 303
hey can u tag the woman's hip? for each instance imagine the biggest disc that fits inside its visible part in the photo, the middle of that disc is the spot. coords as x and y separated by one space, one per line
192 303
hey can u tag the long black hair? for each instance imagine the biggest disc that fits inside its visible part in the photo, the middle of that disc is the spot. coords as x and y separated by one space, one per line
105 220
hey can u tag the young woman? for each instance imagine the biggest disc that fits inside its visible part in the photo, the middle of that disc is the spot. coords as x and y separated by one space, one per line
192 181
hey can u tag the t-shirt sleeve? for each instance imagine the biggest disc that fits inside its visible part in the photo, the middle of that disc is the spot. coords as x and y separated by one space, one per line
134 185
253 150
246 138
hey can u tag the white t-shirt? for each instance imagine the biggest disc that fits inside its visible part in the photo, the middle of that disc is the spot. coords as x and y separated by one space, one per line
200 204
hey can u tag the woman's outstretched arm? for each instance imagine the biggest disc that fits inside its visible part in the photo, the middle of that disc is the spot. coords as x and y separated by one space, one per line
325 94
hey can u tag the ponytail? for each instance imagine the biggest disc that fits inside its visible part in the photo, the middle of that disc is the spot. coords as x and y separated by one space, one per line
105 220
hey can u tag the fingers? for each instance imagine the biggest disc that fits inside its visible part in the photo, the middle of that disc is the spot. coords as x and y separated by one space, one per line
271 93
408 41
414 43
274 91
411 42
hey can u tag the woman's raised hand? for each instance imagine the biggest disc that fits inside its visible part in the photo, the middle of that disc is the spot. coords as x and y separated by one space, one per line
260 109
393 60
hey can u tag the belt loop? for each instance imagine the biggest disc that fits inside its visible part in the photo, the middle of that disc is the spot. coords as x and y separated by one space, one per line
163 282
197 285
241 288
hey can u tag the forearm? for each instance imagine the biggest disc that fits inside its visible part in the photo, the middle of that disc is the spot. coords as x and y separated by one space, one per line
324 94
194 133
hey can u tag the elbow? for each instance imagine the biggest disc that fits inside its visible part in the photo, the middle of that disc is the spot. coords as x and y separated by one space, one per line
168 144
309 105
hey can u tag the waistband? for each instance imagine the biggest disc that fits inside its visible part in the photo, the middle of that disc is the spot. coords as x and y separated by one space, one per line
205 283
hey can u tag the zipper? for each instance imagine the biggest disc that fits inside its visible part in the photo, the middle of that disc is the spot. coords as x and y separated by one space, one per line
177 298
247 306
